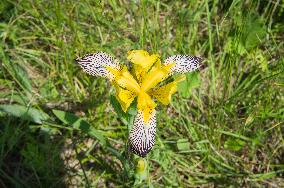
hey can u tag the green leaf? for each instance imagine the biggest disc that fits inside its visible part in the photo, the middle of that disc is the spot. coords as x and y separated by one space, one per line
20 75
15 96
254 31
132 110
80 124
26 113
267 175
183 89
116 106
234 144
48 91
192 81
126 118
183 144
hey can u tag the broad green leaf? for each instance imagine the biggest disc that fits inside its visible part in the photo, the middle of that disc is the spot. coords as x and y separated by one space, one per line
15 96
26 113
183 89
192 81
126 118
80 124
117 108
234 45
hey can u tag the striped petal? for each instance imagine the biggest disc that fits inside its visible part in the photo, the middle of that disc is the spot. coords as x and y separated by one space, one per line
183 63
142 136
96 64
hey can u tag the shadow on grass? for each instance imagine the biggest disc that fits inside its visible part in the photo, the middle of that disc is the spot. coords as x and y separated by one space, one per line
100 157
92 102
32 157
29 158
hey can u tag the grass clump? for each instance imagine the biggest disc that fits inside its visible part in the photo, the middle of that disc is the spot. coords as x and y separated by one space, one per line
225 127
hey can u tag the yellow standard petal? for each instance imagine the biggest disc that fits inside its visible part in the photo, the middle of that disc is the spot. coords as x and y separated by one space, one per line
124 79
139 73
142 58
125 98
164 93
156 75
146 105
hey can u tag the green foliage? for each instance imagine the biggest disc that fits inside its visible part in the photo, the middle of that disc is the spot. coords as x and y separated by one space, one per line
78 123
183 144
60 128
253 32
234 144
192 81
126 117
26 113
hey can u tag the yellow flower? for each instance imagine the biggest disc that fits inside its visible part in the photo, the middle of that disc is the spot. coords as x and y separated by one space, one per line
150 75
144 83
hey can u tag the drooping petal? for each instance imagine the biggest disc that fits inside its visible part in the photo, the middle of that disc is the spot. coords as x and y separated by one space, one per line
124 97
146 105
164 93
95 64
183 63
142 58
142 136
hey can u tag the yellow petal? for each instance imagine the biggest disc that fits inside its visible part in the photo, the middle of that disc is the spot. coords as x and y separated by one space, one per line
146 105
155 76
164 93
139 73
114 72
125 80
142 58
124 97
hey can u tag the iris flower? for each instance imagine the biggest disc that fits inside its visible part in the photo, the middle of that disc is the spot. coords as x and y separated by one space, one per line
144 82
